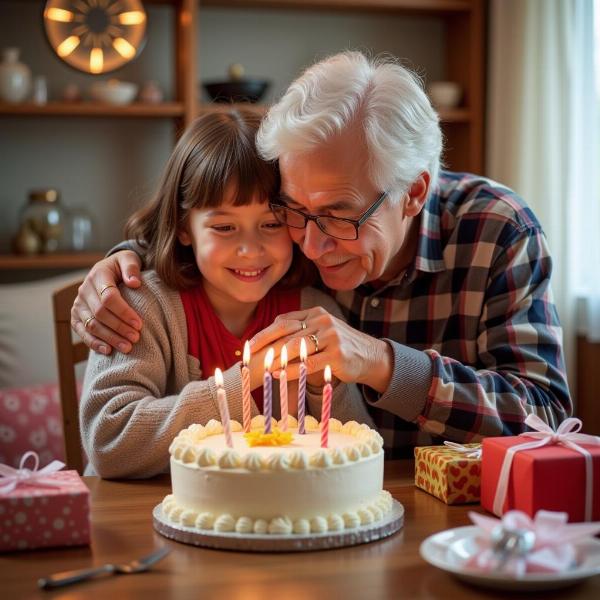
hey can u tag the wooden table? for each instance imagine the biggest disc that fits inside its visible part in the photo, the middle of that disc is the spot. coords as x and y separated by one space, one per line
122 530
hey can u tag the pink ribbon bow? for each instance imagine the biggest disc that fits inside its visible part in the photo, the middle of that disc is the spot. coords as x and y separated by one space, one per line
468 452
12 478
567 435
553 551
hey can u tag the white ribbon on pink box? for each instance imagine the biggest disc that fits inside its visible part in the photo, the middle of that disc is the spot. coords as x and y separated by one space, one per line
11 478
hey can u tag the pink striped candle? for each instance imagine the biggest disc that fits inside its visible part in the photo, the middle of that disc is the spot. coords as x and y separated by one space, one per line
268 390
302 387
223 408
326 408
283 389
246 397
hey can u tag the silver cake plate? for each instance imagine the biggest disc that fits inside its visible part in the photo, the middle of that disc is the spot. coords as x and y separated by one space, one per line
254 542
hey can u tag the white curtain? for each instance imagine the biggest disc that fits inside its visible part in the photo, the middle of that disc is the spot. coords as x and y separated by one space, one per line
543 141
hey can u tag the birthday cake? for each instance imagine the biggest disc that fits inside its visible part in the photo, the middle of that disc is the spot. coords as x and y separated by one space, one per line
292 487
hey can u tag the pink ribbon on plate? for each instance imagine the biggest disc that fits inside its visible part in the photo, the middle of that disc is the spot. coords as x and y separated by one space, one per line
553 551
12 478
566 435
468 452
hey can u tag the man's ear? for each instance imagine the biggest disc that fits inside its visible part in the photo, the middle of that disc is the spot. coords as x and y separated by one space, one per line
417 195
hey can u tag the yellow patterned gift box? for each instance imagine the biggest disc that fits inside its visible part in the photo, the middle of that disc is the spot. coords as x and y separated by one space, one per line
452 474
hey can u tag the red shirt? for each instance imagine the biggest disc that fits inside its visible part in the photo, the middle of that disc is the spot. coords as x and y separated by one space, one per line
213 344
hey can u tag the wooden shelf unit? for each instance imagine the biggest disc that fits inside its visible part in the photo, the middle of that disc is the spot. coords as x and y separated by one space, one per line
465 26
464 41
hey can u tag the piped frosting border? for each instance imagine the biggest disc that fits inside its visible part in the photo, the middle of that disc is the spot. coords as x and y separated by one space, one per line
186 449
279 525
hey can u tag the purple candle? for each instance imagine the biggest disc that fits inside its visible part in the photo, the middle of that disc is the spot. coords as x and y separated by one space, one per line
283 389
268 390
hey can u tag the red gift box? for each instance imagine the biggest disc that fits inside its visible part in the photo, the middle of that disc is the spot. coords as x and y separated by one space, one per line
551 477
38 516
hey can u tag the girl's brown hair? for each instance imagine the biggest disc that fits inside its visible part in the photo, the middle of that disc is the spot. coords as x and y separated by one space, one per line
216 150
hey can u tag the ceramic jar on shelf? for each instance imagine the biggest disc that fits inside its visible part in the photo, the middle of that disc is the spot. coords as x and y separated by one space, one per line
43 217
15 77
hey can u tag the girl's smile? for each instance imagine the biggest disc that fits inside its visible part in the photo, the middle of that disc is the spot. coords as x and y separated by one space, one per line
250 274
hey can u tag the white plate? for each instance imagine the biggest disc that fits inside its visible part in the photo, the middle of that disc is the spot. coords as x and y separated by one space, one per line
448 550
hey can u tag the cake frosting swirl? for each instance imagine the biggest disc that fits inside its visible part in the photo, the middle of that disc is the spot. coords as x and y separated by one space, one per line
297 488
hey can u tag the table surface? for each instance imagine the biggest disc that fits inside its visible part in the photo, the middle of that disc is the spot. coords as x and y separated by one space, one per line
121 517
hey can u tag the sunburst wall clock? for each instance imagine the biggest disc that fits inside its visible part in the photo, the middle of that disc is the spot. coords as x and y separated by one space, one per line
95 36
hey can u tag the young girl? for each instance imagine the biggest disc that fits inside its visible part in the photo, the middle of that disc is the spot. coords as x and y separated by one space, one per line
222 270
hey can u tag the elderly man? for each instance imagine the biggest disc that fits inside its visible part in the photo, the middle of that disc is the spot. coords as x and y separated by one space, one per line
444 278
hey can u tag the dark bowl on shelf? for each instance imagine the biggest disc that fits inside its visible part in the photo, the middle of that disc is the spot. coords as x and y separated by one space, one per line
244 90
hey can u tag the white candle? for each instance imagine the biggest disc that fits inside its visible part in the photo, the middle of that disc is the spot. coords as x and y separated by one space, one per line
223 408
283 388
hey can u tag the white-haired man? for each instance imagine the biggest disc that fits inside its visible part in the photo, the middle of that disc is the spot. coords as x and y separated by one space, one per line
444 278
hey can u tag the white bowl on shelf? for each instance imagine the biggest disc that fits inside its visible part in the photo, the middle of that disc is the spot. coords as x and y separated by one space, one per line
445 94
113 91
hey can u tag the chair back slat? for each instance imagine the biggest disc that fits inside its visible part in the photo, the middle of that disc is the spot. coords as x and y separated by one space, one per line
68 354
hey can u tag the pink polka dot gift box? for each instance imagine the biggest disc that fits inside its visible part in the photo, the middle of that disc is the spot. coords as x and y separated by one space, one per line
41 508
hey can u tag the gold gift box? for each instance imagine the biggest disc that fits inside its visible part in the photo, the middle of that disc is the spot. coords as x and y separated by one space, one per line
448 474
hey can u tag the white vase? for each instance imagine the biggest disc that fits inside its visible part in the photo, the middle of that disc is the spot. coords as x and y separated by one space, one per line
15 77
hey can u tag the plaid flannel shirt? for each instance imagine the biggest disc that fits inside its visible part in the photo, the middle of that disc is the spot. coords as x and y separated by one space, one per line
477 304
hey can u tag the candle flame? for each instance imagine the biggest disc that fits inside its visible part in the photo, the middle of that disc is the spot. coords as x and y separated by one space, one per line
327 374
269 359
303 351
246 353
284 357
218 377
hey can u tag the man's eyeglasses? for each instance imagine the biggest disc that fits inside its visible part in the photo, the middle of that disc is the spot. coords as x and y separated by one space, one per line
335 227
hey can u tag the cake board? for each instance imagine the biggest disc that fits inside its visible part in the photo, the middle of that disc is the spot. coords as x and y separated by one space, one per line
255 542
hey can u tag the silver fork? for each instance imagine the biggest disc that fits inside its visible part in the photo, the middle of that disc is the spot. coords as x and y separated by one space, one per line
138 565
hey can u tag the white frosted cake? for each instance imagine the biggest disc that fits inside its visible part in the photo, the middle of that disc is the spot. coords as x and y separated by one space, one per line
295 488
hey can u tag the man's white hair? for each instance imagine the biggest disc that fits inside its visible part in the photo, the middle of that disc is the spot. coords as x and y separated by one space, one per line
401 128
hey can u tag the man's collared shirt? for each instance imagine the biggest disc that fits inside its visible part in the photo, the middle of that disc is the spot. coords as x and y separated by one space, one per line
477 301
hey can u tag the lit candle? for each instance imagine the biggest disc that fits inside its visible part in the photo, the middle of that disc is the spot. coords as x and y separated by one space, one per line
223 408
267 390
302 387
326 408
283 388
246 398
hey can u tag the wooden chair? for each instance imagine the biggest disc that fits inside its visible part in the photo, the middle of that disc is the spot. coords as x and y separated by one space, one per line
69 354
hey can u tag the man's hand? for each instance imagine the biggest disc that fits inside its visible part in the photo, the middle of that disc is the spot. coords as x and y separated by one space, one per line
353 356
99 315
